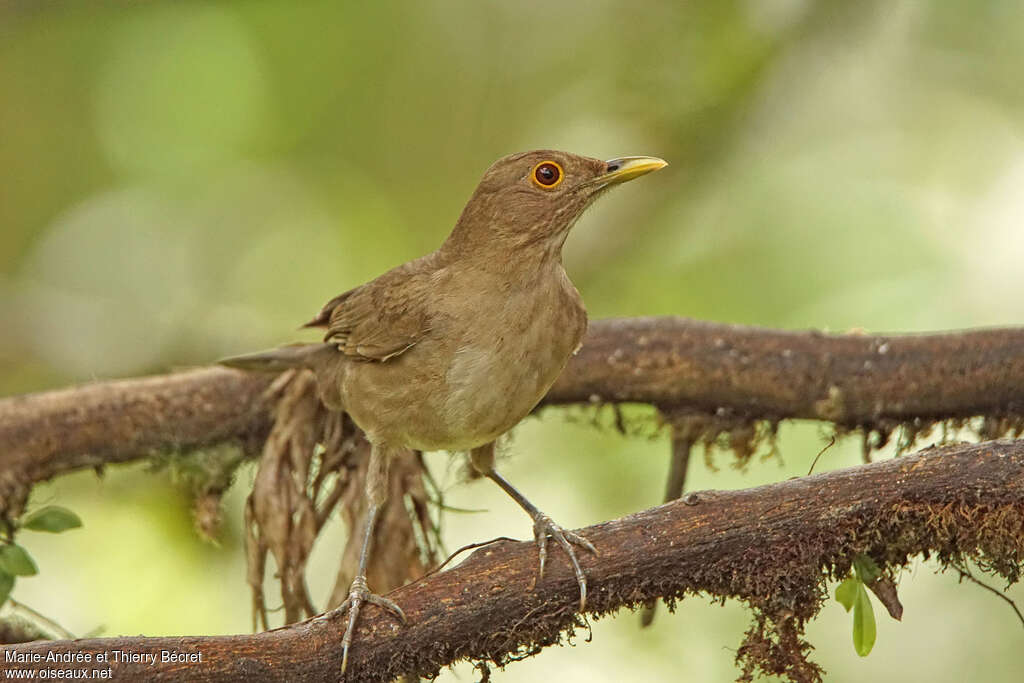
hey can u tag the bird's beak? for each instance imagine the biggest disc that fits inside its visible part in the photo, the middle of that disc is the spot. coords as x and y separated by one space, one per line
626 168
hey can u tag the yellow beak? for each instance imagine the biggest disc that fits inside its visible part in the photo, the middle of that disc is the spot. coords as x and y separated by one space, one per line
626 168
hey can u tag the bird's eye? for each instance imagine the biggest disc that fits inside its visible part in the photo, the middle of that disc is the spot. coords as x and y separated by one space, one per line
547 174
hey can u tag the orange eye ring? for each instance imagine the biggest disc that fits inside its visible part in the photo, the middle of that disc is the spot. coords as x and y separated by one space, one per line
547 175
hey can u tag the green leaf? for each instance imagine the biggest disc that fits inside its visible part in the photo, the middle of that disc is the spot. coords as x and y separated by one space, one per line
15 560
863 623
846 592
866 568
52 518
6 584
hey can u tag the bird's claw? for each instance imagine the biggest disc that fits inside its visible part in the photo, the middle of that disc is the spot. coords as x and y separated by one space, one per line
358 593
543 527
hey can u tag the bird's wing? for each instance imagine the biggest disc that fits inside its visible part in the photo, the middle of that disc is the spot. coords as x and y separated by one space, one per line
381 319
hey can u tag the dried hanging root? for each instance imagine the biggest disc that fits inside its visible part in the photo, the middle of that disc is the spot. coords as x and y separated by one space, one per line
312 461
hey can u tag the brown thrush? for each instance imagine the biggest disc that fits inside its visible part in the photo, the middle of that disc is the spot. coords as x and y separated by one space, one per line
453 349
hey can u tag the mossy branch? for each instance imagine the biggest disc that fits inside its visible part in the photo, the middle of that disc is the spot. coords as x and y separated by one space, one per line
706 379
746 373
773 547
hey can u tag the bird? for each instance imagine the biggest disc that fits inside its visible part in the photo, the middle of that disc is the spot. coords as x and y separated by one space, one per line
453 349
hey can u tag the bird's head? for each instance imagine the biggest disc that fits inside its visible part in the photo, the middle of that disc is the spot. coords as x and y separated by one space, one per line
532 199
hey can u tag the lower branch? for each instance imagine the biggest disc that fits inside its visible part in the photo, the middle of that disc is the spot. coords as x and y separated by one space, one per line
773 547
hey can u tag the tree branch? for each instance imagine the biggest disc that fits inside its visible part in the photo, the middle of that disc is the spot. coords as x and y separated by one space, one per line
50 433
770 546
850 379
749 372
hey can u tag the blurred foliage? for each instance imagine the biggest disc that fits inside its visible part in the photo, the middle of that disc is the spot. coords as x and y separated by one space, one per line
181 180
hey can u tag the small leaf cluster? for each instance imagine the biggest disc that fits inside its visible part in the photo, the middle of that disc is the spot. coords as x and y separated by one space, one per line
852 594
15 561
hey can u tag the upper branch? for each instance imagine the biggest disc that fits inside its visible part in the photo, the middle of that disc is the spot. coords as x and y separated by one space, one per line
49 433
772 546
850 379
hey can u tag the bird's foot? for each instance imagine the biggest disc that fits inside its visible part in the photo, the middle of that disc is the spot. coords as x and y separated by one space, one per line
358 593
543 527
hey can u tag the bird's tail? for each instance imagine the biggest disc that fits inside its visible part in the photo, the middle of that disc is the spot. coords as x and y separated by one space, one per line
280 359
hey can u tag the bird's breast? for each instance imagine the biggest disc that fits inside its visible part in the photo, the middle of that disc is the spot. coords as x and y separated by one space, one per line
512 357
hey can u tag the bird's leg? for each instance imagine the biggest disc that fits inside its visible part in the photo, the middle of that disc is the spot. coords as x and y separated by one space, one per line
482 459
359 592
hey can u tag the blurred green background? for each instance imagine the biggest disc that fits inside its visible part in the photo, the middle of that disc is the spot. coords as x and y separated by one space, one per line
181 181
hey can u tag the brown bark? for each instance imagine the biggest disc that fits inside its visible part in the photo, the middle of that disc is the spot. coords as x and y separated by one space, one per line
50 433
849 379
770 546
